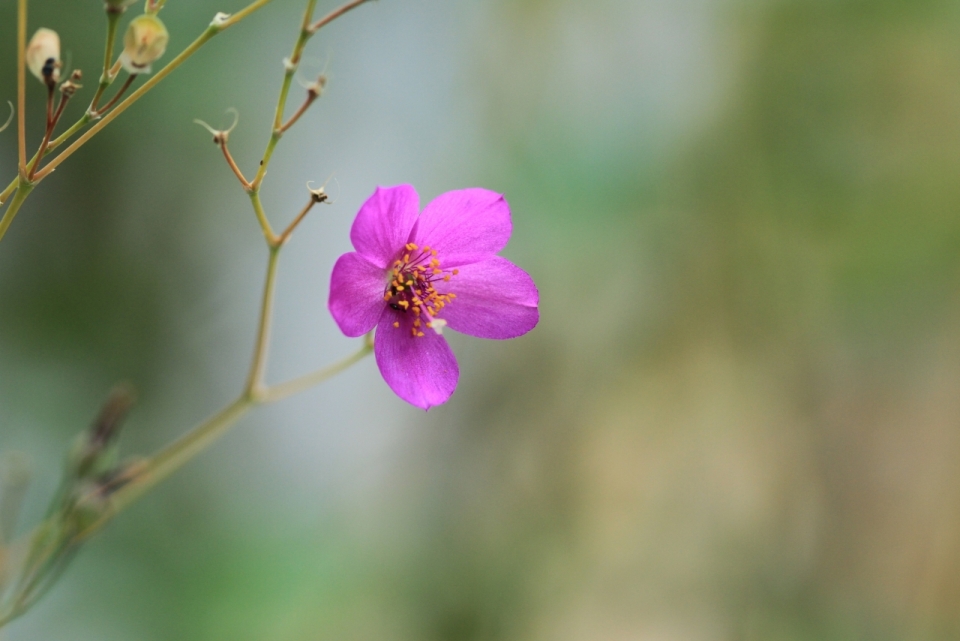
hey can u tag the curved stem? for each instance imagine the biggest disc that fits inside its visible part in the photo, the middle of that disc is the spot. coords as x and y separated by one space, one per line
333 15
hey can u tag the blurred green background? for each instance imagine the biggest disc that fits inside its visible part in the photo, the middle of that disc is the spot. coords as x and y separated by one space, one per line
738 419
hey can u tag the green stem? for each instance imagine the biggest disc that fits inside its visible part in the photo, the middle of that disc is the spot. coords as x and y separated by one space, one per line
187 447
291 388
216 27
175 455
268 232
211 31
22 192
22 86
255 379
56 142
106 78
291 68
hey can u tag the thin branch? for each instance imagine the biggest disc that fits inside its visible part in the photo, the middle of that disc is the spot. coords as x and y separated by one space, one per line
233 166
123 89
259 365
265 226
291 64
52 121
23 191
333 15
311 96
106 78
285 236
22 85
290 388
216 27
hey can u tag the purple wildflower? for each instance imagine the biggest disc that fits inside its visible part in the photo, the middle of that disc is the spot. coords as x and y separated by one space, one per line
413 274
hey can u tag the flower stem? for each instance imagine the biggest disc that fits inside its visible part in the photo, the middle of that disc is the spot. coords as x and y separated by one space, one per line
290 388
291 65
22 86
106 78
285 236
175 455
22 192
208 33
123 89
233 165
333 15
255 379
268 232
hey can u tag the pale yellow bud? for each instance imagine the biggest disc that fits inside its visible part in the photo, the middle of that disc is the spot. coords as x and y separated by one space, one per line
43 56
144 43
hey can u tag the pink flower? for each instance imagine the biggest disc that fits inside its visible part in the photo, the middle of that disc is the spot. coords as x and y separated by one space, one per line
413 274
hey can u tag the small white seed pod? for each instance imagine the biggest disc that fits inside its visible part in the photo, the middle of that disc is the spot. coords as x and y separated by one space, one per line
43 56
144 43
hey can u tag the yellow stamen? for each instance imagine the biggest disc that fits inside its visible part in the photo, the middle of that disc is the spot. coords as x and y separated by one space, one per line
396 324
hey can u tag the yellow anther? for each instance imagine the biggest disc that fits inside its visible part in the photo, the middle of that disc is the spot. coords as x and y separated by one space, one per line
456 271
446 278
396 324
419 334
406 258
416 323
433 252
404 304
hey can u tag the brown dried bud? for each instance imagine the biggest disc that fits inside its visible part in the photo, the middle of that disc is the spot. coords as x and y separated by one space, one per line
144 43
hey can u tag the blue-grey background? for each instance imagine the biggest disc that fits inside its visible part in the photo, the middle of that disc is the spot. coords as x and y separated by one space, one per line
738 419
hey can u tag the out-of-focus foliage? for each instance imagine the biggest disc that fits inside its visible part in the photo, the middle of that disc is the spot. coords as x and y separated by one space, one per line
737 420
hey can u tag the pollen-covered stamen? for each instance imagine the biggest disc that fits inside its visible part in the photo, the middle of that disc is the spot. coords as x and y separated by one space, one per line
411 288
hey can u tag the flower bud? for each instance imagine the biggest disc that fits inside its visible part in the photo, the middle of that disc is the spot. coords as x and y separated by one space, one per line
43 56
145 41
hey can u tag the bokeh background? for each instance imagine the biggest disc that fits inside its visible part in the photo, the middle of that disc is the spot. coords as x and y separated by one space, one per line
738 419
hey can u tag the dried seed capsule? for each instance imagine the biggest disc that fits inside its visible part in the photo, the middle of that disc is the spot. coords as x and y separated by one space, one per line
145 41
43 56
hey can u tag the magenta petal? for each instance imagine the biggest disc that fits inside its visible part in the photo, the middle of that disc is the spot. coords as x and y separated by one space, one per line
422 371
356 294
383 224
464 226
494 299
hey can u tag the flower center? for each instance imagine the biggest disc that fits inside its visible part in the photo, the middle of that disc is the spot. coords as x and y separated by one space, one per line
411 288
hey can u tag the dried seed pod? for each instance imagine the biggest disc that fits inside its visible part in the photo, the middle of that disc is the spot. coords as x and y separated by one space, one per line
144 43
43 56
